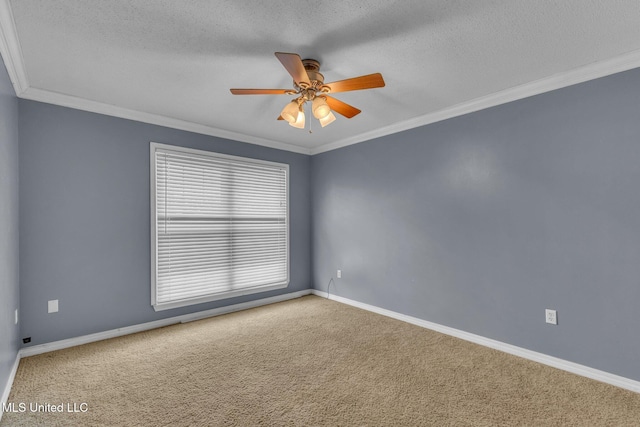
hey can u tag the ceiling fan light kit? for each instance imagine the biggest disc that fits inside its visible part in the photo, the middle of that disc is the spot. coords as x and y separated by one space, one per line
309 85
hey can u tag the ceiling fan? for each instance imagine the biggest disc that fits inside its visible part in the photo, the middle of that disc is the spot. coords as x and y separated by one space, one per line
309 86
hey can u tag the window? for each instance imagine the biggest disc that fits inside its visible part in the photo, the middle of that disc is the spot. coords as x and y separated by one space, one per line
219 226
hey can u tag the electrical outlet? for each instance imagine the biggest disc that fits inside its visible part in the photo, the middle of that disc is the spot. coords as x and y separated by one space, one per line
53 306
339 274
551 316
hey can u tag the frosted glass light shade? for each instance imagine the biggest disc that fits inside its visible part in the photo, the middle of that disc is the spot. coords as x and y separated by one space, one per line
320 108
290 111
328 119
299 122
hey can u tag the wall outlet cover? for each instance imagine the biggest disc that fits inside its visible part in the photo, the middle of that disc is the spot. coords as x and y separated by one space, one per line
53 306
551 316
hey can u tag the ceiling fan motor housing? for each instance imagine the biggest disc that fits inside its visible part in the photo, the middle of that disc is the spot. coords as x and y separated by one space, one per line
313 71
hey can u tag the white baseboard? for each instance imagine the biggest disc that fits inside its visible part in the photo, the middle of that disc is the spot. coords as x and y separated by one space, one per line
7 387
554 362
85 339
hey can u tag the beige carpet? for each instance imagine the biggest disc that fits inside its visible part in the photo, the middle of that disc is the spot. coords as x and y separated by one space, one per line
306 362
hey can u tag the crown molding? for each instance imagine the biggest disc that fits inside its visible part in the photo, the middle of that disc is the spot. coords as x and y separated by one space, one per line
14 61
154 119
582 74
10 49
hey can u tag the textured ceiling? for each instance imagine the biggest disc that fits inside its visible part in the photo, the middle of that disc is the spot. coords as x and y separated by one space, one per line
173 62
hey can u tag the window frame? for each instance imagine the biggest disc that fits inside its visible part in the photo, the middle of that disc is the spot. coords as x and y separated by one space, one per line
154 148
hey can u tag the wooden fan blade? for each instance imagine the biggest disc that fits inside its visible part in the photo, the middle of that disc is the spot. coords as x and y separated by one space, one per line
342 108
363 82
262 91
293 65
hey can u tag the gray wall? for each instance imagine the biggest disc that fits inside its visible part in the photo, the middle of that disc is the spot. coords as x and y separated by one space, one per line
84 229
9 290
481 222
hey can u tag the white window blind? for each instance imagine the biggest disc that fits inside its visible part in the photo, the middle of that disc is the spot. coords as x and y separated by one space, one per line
219 226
